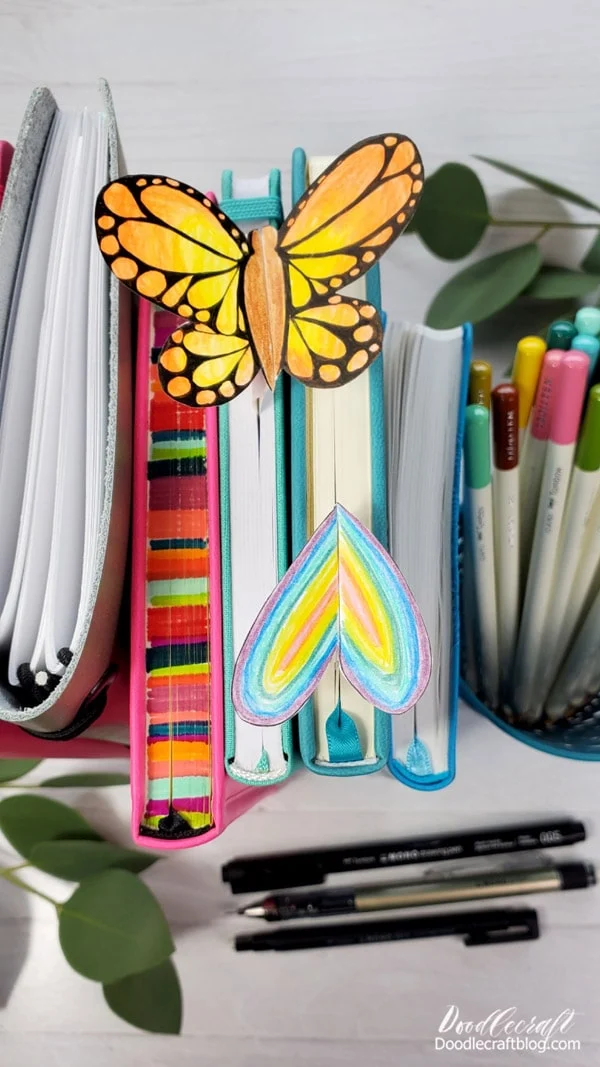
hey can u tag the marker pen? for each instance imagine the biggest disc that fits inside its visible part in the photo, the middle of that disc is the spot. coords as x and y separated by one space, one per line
584 490
480 382
480 542
526 372
584 342
558 463
560 334
587 320
533 453
580 674
505 484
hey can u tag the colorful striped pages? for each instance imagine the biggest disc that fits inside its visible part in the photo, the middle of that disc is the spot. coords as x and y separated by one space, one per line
178 745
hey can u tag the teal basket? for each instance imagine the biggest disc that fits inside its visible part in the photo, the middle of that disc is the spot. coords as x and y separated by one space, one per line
577 737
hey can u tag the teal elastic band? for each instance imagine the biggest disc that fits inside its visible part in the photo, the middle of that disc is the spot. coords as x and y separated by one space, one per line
247 208
255 207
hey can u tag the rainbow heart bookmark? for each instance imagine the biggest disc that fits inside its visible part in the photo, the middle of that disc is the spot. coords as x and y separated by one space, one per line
343 599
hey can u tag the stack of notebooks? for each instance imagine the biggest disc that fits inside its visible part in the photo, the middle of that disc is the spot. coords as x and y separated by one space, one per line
224 499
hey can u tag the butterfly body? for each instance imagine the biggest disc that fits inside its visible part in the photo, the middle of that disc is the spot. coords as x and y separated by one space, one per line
269 301
265 301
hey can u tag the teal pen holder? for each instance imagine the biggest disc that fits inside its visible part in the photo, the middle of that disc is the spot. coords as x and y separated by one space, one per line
575 737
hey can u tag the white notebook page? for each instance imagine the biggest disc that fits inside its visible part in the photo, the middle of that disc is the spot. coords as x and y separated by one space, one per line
20 357
338 427
253 533
422 374
55 495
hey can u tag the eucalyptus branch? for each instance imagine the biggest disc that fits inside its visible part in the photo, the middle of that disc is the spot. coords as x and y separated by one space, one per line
9 876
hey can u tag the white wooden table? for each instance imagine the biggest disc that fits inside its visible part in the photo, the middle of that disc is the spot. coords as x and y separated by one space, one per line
203 85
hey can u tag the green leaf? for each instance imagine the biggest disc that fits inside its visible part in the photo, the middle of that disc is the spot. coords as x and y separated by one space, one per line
485 287
150 1000
452 215
562 284
591 260
28 820
541 183
112 927
16 768
75 860
101 779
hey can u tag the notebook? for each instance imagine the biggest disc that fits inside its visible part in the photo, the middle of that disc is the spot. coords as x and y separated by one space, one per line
64 423
180 794
424 425
253 513
337 454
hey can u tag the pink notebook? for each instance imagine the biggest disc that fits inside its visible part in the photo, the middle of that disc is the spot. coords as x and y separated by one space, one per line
180 794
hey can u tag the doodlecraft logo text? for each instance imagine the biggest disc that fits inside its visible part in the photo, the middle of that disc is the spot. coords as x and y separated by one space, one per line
505 1030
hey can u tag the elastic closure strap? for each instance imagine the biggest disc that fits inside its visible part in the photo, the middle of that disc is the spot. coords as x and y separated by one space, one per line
255 207
247 208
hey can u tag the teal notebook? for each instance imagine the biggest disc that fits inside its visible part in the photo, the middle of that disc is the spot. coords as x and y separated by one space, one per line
253 515
338 455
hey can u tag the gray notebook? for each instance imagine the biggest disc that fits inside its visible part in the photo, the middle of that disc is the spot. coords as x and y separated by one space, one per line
65 422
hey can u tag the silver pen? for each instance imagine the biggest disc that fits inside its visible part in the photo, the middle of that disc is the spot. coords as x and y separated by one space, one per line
483 886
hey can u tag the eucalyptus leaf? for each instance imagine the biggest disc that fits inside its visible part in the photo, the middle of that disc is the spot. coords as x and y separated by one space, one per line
26 820
484 287
453 214
76 860
10 769
66 781
150 1000
541 183
591 260
112 927
562 284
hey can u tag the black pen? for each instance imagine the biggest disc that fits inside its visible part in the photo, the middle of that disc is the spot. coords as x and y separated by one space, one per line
489 927
251 874
476 885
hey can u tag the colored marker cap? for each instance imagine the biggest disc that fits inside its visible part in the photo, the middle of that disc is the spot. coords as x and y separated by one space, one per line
546 394
570 394
560 334
587 320
480 382
586 342
526 373
505 426
588 449
478 470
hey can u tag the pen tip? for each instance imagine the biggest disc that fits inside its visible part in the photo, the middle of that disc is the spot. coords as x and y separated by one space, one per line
255 911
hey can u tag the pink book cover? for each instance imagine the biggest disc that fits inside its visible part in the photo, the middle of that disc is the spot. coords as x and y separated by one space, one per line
6 154
181 796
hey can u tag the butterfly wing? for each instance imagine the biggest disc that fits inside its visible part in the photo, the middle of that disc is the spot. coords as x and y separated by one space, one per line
170 243
199 367
349 216
329 344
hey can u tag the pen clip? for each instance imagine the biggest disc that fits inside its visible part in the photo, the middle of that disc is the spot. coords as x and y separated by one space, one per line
520 925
